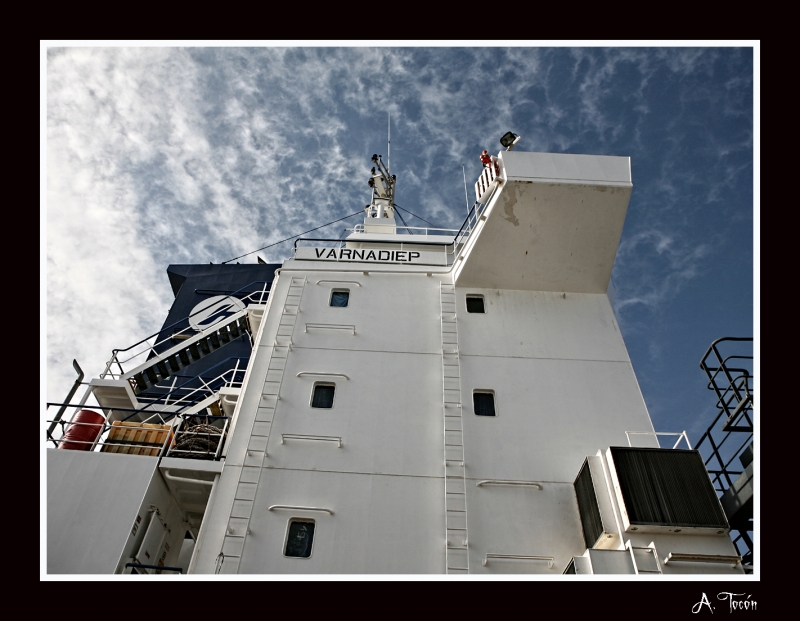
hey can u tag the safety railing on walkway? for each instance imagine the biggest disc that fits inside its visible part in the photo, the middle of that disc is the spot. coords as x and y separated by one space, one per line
727 445
140 352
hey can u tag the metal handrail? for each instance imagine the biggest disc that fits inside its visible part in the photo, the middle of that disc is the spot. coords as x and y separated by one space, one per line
329 326
171 477
340 241
302 373
550 560
680 435
298 436
71 394
676 557
161 567
498 482
300 508
651 548
115 352
340 282
162 355
359 228
205 387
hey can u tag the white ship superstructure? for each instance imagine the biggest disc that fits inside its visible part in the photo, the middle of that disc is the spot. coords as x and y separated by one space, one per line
417 401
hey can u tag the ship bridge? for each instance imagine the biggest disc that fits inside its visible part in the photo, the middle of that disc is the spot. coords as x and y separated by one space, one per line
550 222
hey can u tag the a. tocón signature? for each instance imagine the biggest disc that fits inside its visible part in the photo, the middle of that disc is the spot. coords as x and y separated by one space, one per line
736 602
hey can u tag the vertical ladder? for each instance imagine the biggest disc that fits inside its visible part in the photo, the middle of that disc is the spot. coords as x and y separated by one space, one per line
455 489
256 454
651 549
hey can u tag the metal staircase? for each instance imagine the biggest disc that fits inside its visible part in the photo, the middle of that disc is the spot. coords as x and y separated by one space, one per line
256 454
166 364
456 540
727 444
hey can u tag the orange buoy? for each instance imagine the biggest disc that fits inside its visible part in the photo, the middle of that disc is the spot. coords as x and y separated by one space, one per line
81 437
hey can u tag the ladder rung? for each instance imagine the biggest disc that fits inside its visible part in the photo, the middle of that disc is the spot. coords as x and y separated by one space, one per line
456 548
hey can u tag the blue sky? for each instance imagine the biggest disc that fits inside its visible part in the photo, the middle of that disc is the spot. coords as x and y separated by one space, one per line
164 155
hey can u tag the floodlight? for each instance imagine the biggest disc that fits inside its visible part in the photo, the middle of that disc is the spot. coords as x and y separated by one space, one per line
509 140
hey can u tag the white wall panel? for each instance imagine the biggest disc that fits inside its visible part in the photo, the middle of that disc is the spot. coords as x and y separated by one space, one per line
380 524
551 414
388 413
540 324
523 521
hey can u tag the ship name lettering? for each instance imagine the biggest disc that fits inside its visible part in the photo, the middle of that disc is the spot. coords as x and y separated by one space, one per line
351 254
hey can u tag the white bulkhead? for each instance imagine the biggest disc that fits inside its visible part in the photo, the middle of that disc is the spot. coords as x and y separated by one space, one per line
415 404
401 475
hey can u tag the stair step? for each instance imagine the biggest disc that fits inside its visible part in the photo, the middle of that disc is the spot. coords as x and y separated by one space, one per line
174 364
214 339
151 375
184 357
224 335
162 369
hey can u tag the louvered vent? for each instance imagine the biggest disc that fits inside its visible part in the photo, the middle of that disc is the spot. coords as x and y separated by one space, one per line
666 487
587 506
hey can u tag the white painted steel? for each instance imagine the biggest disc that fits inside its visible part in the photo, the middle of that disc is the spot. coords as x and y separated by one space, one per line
405 357
517 557
455 489
296 508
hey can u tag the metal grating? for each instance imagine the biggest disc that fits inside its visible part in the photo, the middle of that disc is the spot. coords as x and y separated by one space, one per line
667 487
587 506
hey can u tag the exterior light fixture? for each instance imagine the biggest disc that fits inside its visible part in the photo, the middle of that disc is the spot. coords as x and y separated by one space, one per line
509 140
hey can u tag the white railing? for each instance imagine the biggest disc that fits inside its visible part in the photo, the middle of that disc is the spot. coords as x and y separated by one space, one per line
176 438
192 396
489 175
425 231
491 179
680 435
148 346
518 557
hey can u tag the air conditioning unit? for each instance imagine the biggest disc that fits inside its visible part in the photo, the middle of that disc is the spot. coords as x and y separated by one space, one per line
600 530
646 490
664 491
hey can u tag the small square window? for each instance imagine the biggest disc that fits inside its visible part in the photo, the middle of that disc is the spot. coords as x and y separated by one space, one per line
323 396
299 539
483 403
340 297
475 304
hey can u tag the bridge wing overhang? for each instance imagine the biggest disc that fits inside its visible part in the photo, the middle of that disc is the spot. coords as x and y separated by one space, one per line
553 224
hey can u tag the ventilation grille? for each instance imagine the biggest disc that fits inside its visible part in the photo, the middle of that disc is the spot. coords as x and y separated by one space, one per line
587 506
666 487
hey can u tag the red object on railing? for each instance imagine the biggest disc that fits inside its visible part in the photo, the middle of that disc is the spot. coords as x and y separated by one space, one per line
81 437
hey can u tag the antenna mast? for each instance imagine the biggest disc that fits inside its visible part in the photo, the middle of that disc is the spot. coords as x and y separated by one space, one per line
389 147
466 196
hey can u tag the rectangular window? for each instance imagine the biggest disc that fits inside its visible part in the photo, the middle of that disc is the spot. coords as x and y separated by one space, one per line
299 539
340 297
475 304
483 403
323 396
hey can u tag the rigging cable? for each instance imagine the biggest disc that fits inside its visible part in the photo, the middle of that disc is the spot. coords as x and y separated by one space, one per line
413 214
404 222
298 235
